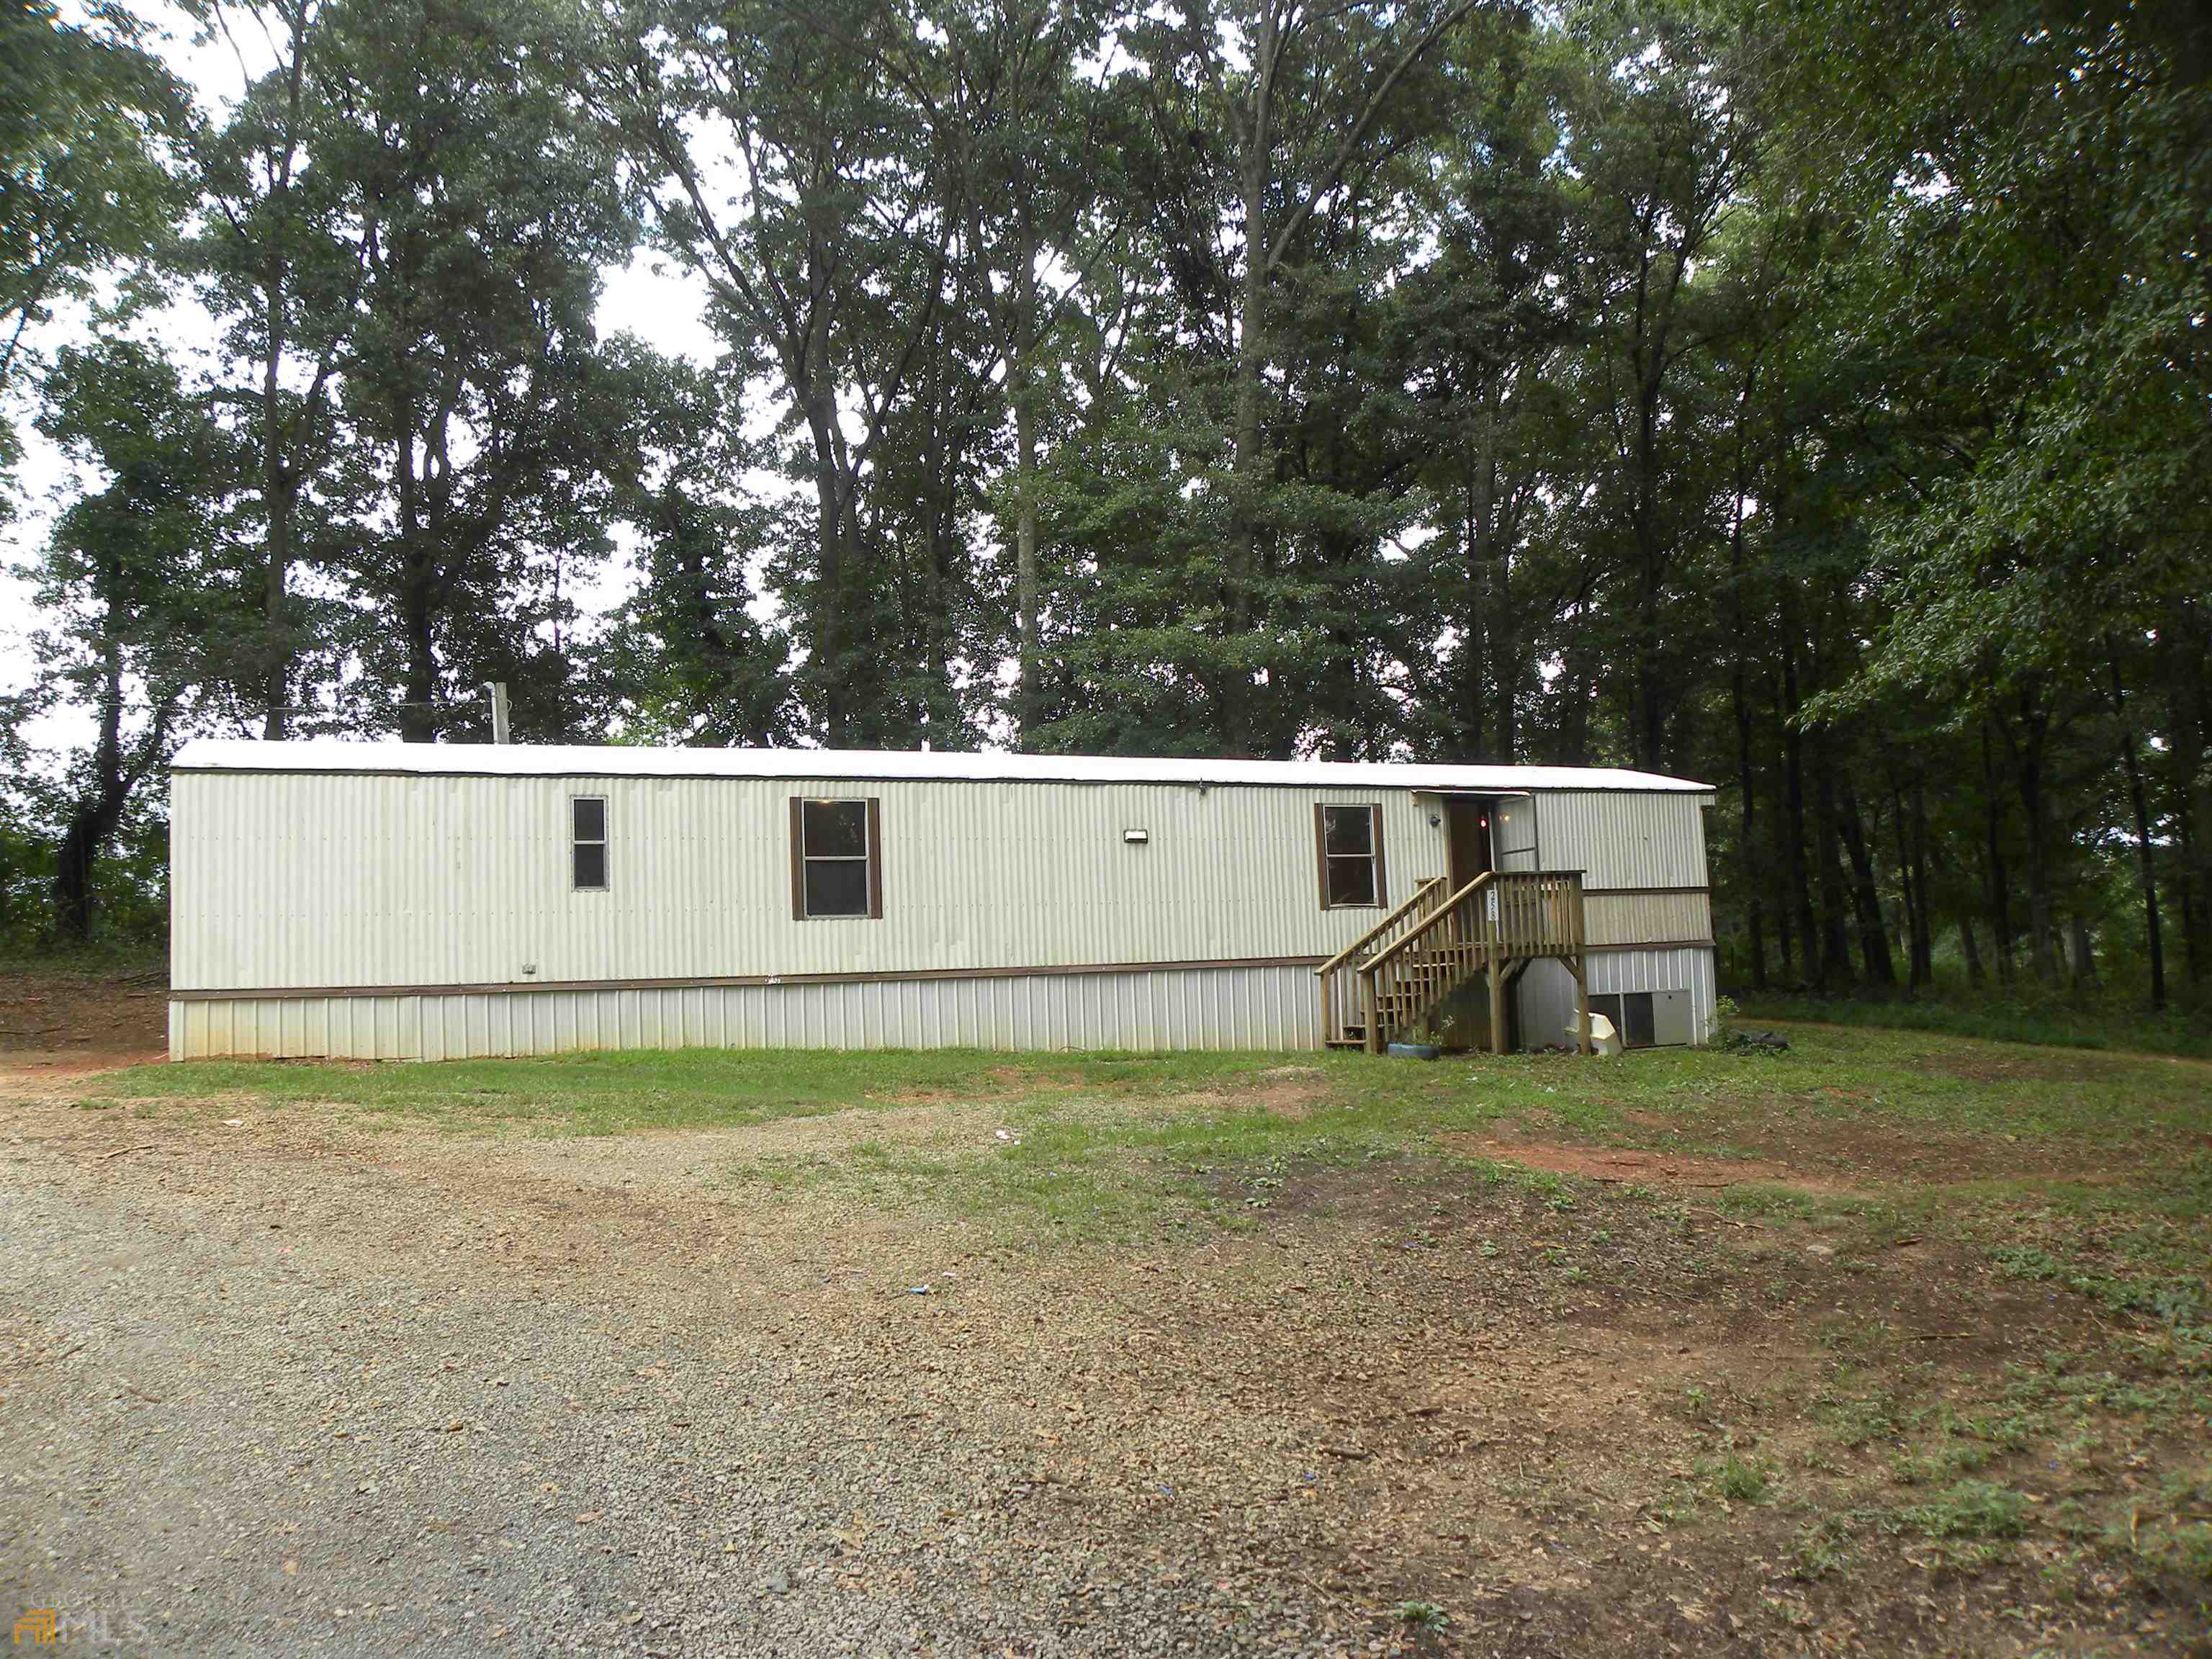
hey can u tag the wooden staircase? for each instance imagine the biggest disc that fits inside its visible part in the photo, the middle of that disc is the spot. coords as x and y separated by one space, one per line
1387 985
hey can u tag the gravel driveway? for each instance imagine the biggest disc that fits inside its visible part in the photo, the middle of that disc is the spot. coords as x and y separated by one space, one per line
273 1381
277 1393
277 1384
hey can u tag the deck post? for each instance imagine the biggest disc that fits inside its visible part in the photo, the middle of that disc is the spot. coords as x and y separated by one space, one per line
1374 1033
1580 965
1497 1004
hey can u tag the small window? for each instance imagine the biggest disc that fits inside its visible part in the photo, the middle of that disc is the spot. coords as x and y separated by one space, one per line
1350 848
587 842
836 870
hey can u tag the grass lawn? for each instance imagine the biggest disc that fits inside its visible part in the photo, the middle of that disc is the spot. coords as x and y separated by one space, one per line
1949 1297
2118 1019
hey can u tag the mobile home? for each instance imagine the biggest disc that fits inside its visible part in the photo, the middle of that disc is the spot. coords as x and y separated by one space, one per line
374 900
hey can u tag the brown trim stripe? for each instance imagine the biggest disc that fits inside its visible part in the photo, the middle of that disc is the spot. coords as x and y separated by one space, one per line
287 994
1640 892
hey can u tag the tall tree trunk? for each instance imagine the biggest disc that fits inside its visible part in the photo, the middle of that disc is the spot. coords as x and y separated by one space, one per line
418 575
2029 752
280 480
1996 886
1924 964
1650 697
1976 976
1754 876
2085 955
94 815
1474 676
2193 919
1505 651
1912 877
2139 799
2182 651
280 498
1021 378
1793 783
1835 950
1243 549
1574 714
1866 896
832 515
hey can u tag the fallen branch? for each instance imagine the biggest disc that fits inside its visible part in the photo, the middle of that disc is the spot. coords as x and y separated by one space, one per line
150 1146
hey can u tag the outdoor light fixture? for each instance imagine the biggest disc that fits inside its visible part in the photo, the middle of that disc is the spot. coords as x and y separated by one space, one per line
1136 837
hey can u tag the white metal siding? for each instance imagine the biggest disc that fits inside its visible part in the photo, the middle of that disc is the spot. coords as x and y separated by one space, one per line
287 880
1544 994
1647 918
1620 840
300 882
1182 1008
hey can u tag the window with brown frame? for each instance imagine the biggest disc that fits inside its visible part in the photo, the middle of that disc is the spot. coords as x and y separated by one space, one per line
1348 842
587 844
836 862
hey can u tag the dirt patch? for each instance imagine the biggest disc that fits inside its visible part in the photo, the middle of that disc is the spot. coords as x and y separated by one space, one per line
112 1018
33 1064
1624 1165
1291 1091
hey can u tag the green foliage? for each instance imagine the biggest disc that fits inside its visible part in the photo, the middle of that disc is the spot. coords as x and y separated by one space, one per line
1423 1615
2178 1300
1970 1509
1805 398
89 119
138 587
1741 1481
2116 1020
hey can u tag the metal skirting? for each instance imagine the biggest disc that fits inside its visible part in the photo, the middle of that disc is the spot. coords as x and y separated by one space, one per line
1544 998
1258 1007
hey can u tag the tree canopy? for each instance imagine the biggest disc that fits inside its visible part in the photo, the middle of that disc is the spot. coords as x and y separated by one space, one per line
1808 398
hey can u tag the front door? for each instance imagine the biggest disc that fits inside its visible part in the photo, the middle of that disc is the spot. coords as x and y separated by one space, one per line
1467 837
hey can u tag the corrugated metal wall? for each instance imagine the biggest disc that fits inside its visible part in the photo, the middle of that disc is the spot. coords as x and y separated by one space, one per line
285 880
1647 918
314 880
1187 1008
1625 840
1545 995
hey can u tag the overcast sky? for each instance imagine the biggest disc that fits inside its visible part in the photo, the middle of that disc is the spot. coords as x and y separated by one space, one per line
663 306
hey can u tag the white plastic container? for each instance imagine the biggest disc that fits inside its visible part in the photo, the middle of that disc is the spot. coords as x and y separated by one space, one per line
1604 1039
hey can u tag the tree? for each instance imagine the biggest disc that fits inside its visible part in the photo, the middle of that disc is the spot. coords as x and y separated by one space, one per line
827 258
139 585
282 256
473 464
89 120
684 658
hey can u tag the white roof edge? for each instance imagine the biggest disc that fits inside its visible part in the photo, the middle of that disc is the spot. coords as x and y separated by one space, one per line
614 760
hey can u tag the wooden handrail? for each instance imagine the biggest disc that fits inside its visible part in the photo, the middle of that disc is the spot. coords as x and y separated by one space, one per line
1388 922
1432 922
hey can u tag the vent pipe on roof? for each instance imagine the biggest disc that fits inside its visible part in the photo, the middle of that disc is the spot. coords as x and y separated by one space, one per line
497 691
